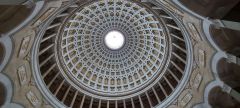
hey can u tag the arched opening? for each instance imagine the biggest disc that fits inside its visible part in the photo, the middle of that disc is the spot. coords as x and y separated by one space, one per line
12 15
2 94
219 99
2 53
229 74
215 9
226 39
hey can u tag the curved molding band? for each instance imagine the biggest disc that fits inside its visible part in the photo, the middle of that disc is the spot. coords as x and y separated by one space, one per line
8 46
9 92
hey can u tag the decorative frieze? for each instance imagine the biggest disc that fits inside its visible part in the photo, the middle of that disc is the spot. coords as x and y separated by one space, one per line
22 75
197 81
33 98
186 99
201 58
24 46
171 8
44 16
194 31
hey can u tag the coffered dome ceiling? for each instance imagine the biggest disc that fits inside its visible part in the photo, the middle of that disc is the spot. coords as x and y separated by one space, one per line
119 54
105 70
76 60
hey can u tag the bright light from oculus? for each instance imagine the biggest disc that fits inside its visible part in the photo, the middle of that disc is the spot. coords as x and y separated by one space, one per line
114 40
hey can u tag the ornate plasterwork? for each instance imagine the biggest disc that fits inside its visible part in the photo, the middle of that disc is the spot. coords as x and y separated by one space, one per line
198 79
23 70
194 31
22 75
18 70
43 17
172 8
185 100
69 54
201 74
24 46
201 58
33 99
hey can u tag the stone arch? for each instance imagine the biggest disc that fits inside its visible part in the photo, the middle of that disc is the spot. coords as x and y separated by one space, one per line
229 73
219 99
226 39
215 9
12 15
